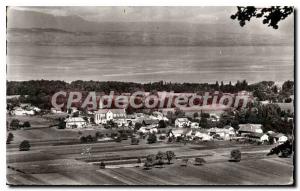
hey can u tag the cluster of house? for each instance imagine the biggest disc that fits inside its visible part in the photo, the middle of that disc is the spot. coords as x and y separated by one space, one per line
254 132
118 116
150 123
25 109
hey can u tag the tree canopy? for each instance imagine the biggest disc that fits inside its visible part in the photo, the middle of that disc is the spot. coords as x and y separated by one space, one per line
271 15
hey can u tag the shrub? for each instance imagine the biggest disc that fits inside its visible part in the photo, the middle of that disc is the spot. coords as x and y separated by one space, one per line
235 155
199 161
83 139
147 165
139 160
137 126
152 138
184 162
24 146
162 137
160 156
134 141
124 136
118 139
15 124
99 135
10 137
61 124
151 159
26 124
170 155
89 138
102 165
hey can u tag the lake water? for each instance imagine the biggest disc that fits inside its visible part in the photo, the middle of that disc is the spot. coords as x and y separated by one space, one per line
150 63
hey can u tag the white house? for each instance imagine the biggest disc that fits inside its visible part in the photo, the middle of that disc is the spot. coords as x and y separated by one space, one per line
158 116
180 132
21 111
195 125
280 138
250 128
214 117
259 137
75 122
182 122
102 116
56 110
203 136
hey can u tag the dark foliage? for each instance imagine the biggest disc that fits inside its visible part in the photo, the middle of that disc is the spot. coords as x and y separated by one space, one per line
235 155
24 146
284 150
152 138
271 16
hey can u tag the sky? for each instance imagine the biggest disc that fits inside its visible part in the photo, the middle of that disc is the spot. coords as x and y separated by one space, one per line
138 14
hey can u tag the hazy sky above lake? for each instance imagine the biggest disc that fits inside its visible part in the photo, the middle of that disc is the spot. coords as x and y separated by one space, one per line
185 44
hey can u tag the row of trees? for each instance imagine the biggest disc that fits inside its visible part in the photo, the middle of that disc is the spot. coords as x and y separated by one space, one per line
39 92
16 124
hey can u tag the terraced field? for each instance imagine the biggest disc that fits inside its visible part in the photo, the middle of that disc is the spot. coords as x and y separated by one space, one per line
270 171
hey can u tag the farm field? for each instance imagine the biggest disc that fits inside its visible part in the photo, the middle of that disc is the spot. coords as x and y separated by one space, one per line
65 164
273 171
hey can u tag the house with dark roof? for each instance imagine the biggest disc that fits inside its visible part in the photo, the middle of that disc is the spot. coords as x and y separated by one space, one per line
250 128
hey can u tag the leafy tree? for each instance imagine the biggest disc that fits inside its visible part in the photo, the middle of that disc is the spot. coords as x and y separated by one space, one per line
61 124
147 165
235 155
184 162
15 124
119 139
89 138
24 146
83 139
102 165
75 114
151 159
199 161
137 126
162 124
152 138
179 113
10 138
162 137
196 114
204 115
139 160
272 15
204 123
26 124
99 135
170 156
160 156
134 141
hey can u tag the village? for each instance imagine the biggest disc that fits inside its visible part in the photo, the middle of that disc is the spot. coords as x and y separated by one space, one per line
168 125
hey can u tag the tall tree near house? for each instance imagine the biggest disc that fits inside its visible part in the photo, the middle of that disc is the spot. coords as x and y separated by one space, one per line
61 124
152 138
15 124
170 155
272 15
24 146
26 124
10 138
160 156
